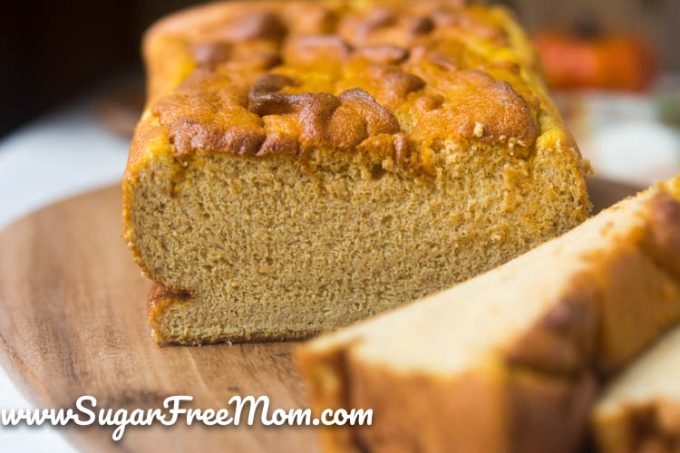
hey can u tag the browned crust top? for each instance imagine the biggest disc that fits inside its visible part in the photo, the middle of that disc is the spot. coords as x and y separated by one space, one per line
257 78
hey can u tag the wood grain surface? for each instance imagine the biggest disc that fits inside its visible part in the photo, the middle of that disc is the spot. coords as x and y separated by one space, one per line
72 322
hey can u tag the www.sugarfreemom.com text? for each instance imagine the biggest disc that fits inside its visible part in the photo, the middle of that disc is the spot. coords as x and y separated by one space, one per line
239 410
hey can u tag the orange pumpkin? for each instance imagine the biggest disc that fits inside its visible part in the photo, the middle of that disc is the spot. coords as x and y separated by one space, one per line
620 62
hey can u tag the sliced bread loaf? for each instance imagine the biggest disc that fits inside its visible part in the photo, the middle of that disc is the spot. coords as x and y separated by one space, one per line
303 165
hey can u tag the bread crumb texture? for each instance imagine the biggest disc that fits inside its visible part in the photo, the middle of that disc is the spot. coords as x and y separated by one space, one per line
290 176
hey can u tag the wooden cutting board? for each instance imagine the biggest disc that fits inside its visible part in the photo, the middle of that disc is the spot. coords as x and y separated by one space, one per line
72 322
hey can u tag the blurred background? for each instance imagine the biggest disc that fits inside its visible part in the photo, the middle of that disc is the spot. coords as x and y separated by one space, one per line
614 66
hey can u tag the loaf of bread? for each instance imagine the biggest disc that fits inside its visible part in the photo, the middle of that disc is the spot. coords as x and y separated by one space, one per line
303 165
509 361
640 410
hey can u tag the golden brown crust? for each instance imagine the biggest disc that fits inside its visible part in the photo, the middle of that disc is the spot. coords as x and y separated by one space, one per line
248 78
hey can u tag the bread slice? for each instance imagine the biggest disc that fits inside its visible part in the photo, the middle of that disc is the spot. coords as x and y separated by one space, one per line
292 176
509 360
640 410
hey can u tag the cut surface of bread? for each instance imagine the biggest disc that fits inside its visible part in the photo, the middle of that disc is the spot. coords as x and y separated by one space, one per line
509 360
293 176
640 410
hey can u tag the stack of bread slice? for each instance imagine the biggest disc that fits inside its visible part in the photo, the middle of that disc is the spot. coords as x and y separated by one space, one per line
640 410
510 360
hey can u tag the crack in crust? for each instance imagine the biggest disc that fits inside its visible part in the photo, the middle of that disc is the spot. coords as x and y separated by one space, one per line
264 82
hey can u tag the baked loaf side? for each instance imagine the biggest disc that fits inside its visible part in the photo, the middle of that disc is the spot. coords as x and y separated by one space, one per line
510 360
290 176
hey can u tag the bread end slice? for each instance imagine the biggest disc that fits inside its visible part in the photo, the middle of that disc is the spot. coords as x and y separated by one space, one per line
640 410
